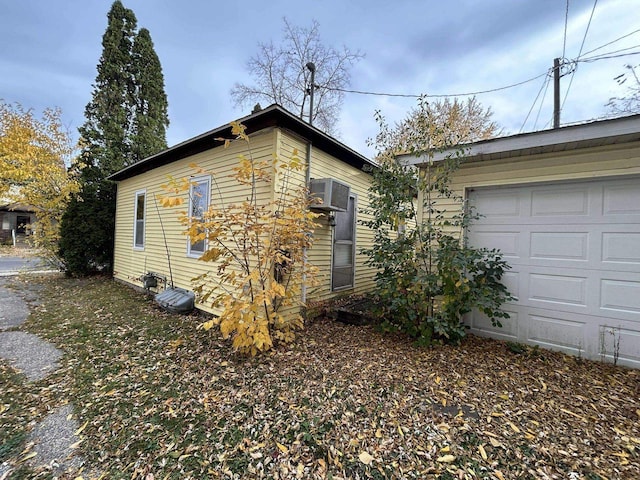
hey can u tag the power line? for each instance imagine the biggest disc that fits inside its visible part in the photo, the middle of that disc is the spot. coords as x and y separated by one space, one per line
584 38
544 95
566 22
595 58
611 42
545 82
378 94
603 56
408 95
607 55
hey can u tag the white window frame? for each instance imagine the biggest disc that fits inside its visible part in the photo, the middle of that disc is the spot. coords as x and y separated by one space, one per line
353 248
138 194
196 181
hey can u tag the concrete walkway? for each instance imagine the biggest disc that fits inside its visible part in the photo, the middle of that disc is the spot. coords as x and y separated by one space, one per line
29 354
13 310
36 359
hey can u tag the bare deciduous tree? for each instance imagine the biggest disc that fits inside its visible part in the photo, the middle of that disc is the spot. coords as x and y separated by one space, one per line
445 123
630 104
280 75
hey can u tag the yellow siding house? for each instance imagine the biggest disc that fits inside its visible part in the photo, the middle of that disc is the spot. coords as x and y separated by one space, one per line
563 206
141 246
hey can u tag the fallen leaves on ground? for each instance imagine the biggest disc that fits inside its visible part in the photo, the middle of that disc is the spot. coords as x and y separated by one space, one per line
157 398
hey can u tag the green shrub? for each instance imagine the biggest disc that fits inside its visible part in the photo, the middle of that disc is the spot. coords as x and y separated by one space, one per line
428 277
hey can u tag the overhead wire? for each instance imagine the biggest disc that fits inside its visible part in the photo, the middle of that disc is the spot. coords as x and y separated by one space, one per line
545 82
408 95
604 56
545 85
544 95
584 38
595 58
612 42
566 23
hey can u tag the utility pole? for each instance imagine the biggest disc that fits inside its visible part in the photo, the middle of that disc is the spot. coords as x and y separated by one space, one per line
556 93
312 68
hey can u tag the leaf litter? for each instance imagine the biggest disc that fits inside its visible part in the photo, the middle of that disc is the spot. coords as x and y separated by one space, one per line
157 398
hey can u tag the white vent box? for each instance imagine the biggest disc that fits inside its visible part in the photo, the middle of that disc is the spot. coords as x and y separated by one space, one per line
329 194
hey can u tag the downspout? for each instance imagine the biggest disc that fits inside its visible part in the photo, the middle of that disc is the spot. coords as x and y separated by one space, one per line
307 177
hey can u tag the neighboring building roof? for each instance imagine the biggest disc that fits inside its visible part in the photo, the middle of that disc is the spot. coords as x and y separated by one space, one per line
16 207
271 116
595 134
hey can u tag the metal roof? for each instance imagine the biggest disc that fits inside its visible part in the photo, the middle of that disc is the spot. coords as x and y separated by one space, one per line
595 134
271 116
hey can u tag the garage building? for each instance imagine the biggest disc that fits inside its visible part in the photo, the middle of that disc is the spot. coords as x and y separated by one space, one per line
563 206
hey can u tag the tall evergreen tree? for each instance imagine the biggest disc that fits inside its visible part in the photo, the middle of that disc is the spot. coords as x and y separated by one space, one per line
150 118
125 121
109 114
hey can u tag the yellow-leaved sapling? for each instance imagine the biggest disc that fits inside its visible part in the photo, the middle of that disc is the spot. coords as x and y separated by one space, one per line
256 246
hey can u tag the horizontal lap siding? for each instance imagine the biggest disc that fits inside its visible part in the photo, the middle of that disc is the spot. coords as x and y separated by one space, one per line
327 166
599 162
595 163
130 264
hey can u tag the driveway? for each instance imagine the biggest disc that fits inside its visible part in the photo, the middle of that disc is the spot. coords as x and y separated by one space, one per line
12 265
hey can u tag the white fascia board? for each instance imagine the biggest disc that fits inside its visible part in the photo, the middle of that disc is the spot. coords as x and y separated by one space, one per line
575 133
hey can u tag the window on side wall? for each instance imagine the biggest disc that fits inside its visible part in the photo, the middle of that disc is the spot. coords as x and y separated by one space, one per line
344 244
139 219
199 192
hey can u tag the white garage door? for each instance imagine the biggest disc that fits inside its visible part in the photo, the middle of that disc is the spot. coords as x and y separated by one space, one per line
574 249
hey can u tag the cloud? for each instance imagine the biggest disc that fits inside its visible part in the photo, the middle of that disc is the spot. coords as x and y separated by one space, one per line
51 53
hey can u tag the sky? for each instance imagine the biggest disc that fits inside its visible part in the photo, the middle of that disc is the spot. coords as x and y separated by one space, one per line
50 50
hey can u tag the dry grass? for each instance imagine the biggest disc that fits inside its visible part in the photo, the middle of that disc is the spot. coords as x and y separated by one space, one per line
162 399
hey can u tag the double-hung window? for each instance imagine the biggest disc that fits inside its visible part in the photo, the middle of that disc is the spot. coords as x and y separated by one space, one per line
139 219
199 192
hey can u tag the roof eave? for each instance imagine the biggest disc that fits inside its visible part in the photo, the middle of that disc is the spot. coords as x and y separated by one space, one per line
604 132
272 116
